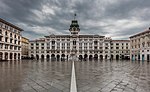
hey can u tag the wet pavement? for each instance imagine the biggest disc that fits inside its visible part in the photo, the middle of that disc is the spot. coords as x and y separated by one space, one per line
91 76
35 76
113 76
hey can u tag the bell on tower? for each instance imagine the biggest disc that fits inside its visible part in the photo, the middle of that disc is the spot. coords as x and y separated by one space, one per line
74 27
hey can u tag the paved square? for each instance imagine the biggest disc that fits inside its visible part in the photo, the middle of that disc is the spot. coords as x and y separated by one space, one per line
113 76
35 76
91 76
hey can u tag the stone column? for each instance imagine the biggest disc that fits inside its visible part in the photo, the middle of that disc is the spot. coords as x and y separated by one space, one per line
8 56
3 57
12 56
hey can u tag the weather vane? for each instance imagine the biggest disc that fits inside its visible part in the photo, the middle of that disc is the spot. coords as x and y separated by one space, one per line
75 16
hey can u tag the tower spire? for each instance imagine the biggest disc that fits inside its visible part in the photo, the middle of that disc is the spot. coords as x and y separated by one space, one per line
74 27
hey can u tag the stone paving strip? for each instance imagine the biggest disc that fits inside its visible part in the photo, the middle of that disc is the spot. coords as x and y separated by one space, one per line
73 87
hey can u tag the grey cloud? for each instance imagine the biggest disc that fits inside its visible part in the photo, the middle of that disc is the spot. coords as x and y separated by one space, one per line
29 13
125 8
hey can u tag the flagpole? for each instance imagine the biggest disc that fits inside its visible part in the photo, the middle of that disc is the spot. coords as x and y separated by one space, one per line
75 16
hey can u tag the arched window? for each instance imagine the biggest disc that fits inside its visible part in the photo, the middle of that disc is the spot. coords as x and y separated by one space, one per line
74 42
53 42
95 42
74 29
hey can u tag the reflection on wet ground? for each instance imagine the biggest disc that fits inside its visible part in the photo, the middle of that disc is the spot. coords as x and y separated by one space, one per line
35 76
91 76
113 76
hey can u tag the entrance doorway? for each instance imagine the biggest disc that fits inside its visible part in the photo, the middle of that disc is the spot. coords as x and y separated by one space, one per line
148 57
117 57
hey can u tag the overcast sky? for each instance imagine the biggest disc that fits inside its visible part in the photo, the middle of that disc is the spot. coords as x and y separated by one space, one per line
118 19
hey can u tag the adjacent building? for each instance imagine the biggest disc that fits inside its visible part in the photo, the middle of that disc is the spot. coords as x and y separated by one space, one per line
120 49
10 41
24 47
80 46
140 46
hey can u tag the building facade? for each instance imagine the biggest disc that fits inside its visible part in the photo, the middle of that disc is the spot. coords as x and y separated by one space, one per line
140 46
120 49
10 41
74 44
24 47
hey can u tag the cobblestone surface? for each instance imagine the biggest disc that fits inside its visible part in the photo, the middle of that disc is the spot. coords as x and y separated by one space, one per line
113 76
92 76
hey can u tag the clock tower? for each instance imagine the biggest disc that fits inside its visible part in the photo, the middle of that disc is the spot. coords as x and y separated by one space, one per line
74 27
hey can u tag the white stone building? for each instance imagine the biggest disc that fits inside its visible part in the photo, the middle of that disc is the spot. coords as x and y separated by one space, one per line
74 44
10 41
120 49
140 46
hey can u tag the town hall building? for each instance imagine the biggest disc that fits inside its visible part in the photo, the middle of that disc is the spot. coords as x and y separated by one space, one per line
81 46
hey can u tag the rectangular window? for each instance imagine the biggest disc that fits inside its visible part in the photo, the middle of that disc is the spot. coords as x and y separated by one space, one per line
11 47
18 42
42 44
15 47
6 39
18 48
100 47
0 38
117 43
48 44
117 51
15 41
106 44
1 46
0 31
117 47
11 40
53 47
